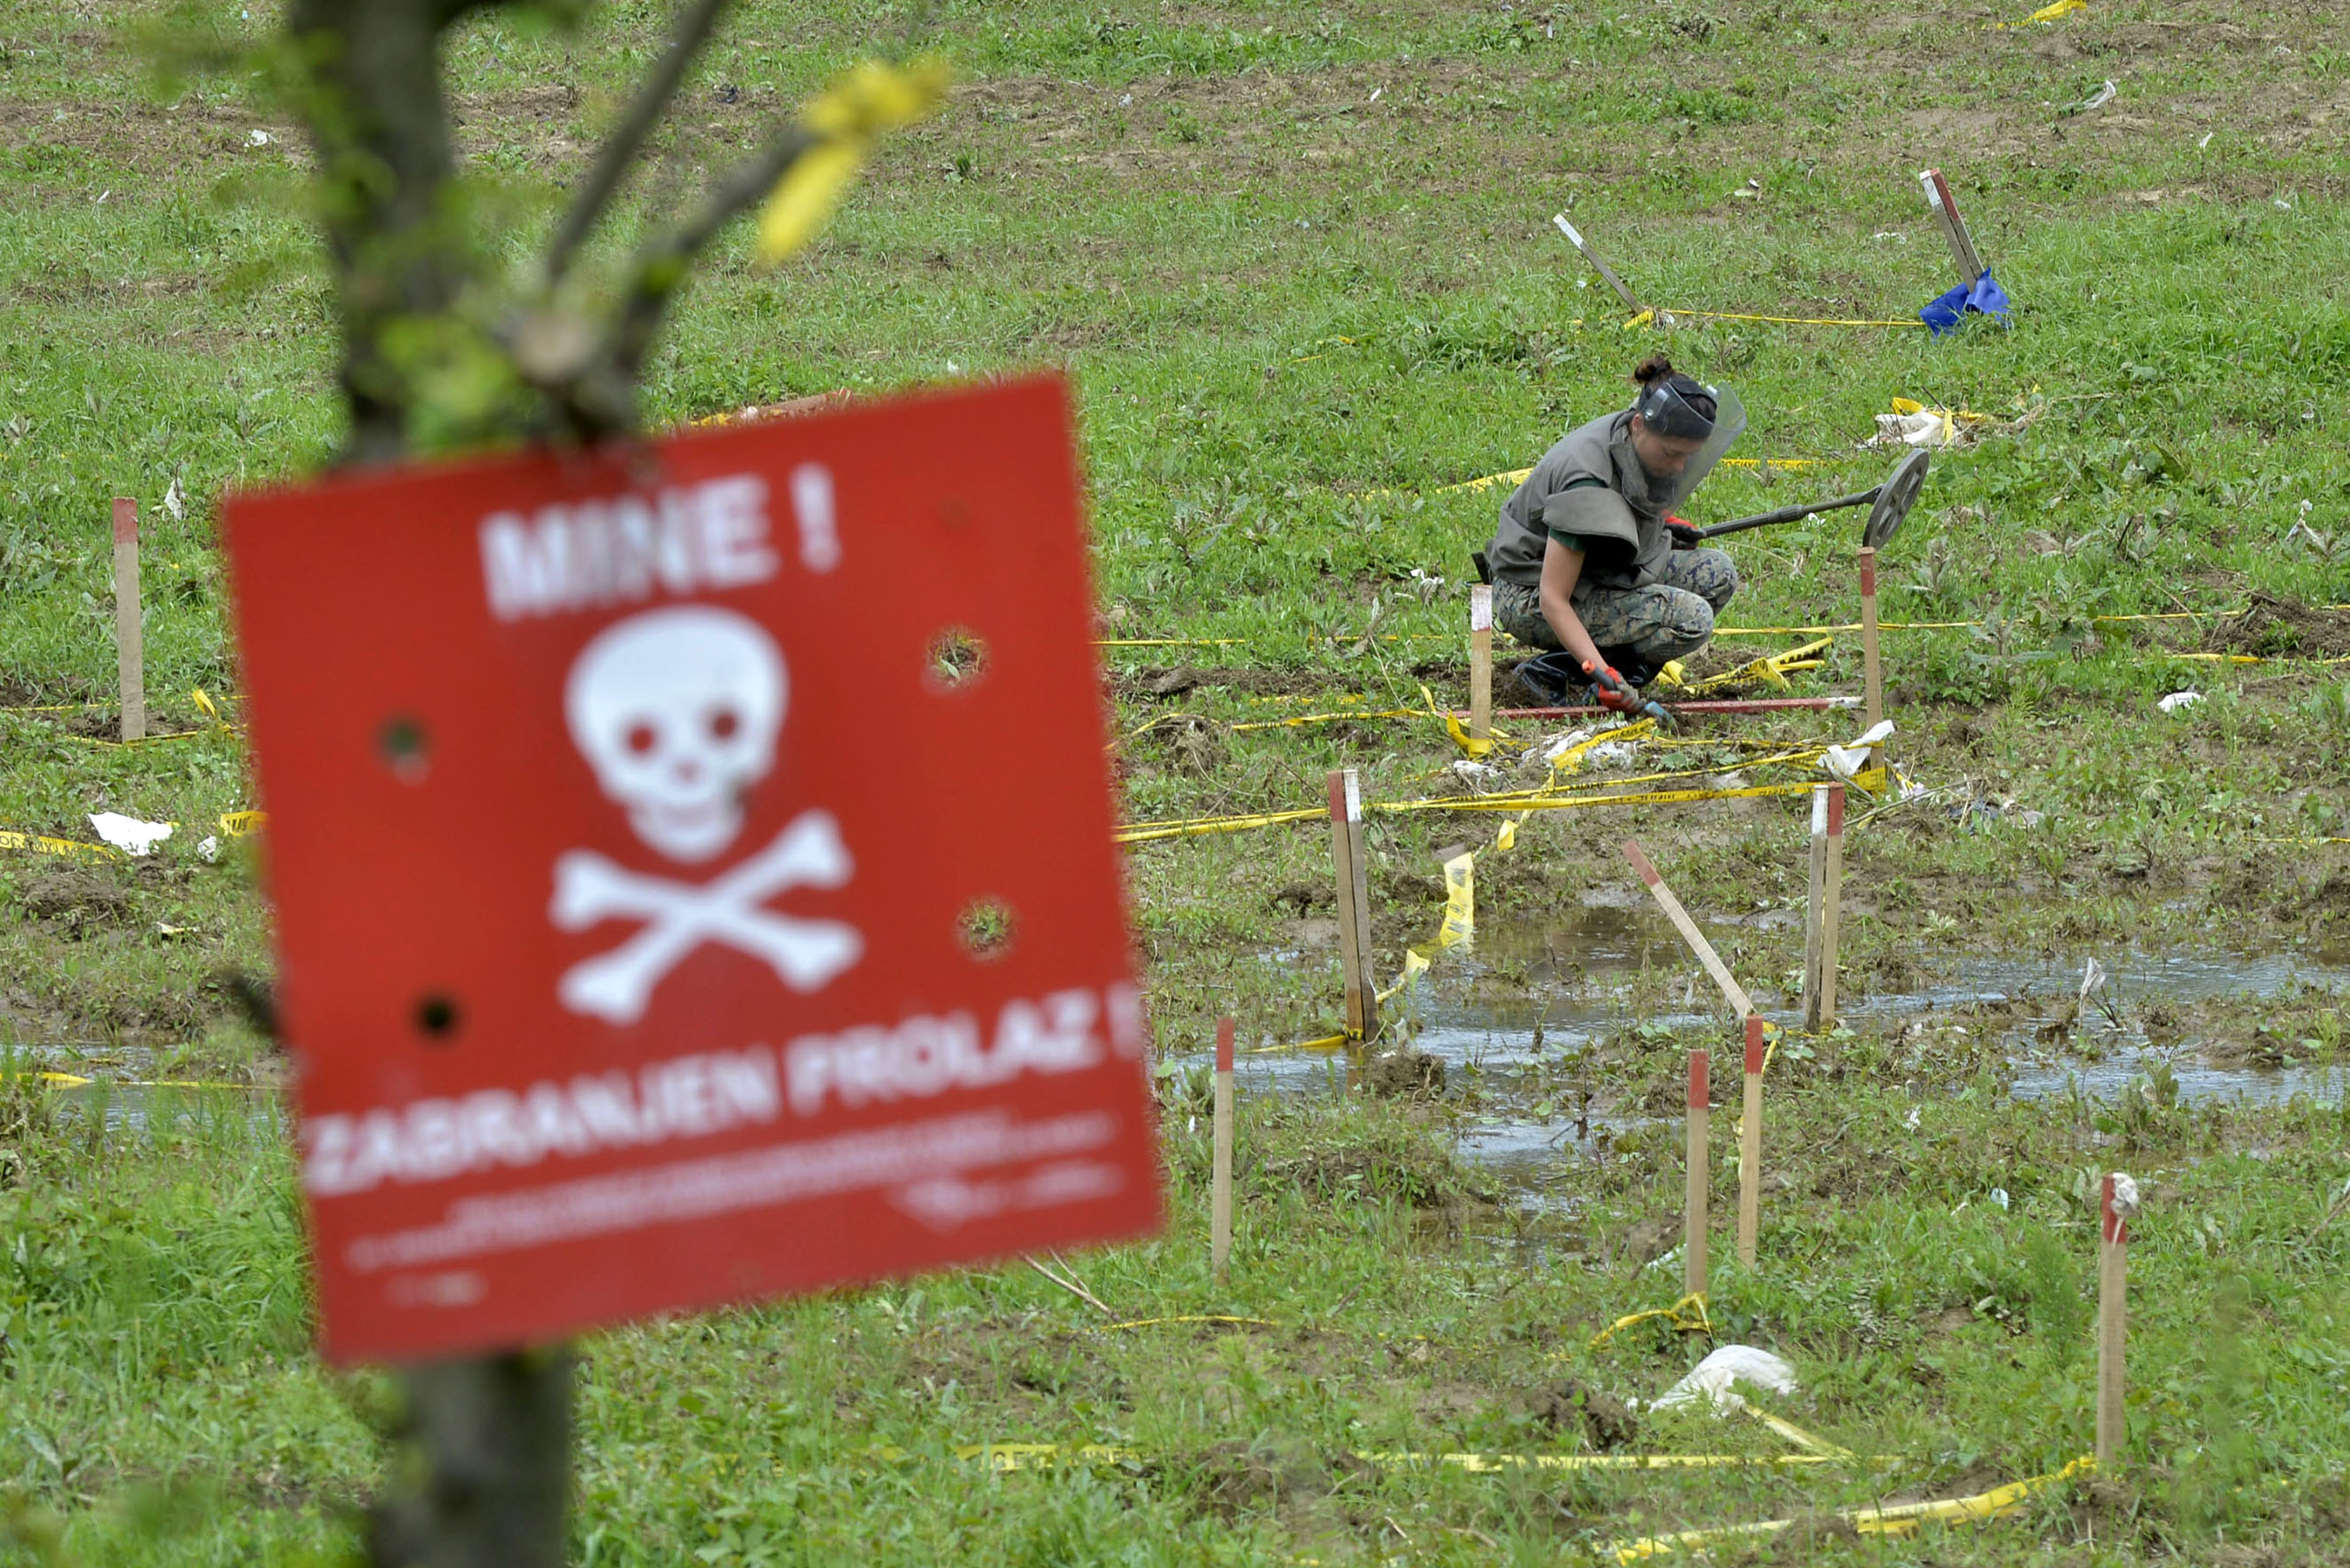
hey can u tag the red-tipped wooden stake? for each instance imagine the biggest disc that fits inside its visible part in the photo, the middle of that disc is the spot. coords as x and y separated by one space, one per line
1750 1148
1693 1223
1481 661
2119 1204
1831 908
1954 228
1220 1198
1350 863
1822 923
129 653
1730 991
1872 663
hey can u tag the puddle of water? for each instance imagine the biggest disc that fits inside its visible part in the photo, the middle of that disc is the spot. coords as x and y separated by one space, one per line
1594 954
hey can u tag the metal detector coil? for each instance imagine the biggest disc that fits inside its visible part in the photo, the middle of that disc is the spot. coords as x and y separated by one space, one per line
1889 503
1894 499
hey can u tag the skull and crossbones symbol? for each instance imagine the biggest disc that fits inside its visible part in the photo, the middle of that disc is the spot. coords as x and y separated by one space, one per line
677 711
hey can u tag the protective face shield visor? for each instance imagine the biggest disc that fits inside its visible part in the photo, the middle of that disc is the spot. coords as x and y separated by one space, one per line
1666 414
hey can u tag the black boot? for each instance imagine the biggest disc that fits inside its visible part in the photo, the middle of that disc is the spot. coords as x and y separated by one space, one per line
1636 668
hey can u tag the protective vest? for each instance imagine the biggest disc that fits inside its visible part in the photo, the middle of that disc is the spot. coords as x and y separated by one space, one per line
1622 514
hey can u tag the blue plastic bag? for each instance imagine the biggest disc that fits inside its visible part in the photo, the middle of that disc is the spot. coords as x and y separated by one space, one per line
1981 297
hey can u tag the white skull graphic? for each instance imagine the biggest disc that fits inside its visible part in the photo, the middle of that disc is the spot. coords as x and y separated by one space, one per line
677 710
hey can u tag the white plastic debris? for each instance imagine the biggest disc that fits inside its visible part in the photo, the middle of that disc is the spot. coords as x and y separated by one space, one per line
2125 1196
256 139
1909 1123
208 848
2097 100
1927 427
2093 980
1876 734
1729 1365
174 502
1478 775
1557 745
1998 1196
2178 699
129 834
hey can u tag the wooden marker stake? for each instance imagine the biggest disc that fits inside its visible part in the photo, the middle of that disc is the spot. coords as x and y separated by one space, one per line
1750 1148
1351 862
2118 1205
1575 237
1872 666
130 654
1831 906
1481 661
1693 1224
1815 906
1219 1199
1732 992
1954 228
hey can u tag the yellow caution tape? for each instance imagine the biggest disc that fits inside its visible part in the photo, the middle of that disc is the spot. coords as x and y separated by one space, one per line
1415 964
2048 13
1327 1043
1647 318
1150 832
65 848
75 1081
1500 1464
1459 923
1687 1314
1303 718
872 99
1772 669
1569 760
1469 745
1189 1317
1009 1456
239 824
1868 783
1819 1447
1900 1518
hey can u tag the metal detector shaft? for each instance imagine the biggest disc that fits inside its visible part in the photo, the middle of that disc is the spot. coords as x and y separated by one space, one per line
1789 513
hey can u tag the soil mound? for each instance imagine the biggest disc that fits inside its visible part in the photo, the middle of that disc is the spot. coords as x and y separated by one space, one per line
2269 628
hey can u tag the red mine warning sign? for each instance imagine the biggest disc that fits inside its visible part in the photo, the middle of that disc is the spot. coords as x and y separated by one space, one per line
693 869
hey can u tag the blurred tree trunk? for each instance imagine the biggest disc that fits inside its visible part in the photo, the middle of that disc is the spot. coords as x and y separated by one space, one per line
483 1476
371 91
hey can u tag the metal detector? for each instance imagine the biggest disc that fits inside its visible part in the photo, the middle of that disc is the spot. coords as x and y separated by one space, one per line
1887 504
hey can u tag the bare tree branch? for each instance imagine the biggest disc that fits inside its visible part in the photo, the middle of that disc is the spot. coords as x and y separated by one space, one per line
598 398
628 138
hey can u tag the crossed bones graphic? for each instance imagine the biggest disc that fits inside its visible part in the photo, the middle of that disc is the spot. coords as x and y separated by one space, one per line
679 917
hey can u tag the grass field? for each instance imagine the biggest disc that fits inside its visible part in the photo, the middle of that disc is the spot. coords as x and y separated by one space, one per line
1299 264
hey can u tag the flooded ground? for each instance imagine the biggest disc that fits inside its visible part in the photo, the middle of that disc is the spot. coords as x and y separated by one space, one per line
1583 977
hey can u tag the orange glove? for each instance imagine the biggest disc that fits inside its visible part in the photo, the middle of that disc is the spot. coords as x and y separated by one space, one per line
1608 689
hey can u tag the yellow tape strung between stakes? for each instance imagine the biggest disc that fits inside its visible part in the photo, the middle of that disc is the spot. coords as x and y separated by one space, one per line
2048 13
1719 631
1869 782
1005 1458
1188 1317
1647 318
65 848
1687 1314
1902 1519
75 1081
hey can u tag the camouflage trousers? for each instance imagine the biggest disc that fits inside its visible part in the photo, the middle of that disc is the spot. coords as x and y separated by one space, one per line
1669 619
